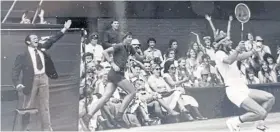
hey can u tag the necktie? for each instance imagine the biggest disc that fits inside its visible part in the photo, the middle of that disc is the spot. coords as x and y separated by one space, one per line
38 60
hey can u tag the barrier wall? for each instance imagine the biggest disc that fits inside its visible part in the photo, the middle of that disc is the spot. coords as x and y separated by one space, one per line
64 93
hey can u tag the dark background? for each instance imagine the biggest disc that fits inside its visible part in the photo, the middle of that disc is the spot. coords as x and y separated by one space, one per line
160 19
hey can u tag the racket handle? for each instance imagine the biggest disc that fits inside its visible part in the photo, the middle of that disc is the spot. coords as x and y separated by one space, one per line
242 28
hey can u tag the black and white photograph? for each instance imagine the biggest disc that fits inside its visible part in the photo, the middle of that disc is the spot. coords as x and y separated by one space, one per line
193 66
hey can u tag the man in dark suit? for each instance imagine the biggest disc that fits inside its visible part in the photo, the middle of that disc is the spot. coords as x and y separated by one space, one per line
36 66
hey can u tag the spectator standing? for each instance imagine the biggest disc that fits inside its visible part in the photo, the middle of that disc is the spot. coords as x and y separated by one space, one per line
113 35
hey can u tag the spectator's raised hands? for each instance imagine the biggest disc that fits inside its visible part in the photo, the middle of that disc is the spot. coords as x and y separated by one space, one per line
207 17
41 13
230 18
194 33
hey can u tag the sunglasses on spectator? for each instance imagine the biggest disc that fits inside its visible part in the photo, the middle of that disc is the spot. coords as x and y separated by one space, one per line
259 40
95 37
158 69
172 68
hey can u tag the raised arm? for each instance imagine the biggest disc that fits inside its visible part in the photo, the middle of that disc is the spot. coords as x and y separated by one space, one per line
49 42
234 55
208 18
199 42
229 26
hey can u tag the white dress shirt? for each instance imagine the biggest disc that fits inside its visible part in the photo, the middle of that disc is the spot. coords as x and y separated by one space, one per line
33 58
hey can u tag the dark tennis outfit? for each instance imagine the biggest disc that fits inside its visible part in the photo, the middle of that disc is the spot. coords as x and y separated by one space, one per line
120 57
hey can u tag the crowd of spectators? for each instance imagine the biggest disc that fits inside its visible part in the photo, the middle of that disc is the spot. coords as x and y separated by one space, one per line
162 80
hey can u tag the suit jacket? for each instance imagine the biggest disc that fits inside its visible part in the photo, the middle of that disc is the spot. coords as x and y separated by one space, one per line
23 63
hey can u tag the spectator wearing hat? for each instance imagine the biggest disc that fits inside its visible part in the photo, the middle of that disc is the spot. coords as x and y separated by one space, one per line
264 48
93 47
205 79
151 53
137 45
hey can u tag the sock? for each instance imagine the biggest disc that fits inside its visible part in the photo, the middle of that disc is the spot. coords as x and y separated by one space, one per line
240 120
260 124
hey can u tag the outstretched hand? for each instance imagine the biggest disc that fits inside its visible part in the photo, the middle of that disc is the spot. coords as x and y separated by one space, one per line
67 24
240 46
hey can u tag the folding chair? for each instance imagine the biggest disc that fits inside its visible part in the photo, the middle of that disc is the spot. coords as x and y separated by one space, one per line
12 94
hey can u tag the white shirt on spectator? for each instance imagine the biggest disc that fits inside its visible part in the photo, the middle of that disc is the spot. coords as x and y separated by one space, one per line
153 53
34 63
96 50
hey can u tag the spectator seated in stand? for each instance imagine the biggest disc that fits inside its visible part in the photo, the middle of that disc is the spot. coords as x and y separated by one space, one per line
151 53
25 18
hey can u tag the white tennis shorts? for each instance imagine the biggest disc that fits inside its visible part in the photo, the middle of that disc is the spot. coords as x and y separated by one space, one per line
237 93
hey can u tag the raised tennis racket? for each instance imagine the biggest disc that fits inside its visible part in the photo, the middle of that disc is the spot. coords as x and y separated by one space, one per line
242 14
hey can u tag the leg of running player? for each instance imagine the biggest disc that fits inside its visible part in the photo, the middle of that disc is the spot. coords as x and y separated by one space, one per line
109 90
255 112
266 100
131 91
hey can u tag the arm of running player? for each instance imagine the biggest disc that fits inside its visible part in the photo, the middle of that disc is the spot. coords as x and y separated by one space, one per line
139 57
229 26
106 54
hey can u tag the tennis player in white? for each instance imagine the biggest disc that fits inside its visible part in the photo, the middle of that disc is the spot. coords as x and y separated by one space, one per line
257 103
